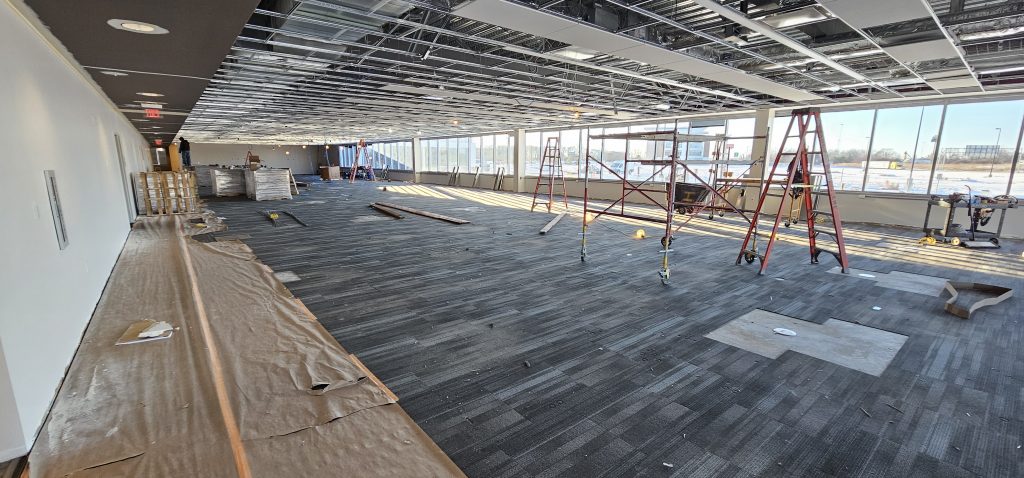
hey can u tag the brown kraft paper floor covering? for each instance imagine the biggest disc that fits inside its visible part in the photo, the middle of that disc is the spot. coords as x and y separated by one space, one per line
295 404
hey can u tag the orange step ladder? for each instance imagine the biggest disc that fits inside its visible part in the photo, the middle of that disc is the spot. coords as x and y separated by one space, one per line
550 171
361 148
797 185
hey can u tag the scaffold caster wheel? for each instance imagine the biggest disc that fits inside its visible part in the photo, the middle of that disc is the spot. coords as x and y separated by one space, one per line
786 223
664 277
927 241
749 257
955 241
583 257
994 241
663 241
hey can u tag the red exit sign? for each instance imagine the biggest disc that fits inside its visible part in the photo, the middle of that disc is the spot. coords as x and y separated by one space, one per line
158 142
152 113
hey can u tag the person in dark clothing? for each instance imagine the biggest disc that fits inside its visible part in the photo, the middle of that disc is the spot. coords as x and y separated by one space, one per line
186 152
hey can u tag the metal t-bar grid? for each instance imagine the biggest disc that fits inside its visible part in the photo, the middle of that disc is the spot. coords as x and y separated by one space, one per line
668 203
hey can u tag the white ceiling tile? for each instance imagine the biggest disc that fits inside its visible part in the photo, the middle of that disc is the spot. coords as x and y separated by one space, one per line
923 51
872 13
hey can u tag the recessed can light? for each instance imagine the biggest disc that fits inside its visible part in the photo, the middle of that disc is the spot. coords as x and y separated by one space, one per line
113 73
135 26
151 95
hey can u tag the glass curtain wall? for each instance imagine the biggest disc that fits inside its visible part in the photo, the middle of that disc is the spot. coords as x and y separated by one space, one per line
930 149
488 152
395 155
977 148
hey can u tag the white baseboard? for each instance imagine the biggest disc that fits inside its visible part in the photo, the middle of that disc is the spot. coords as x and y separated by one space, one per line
12 453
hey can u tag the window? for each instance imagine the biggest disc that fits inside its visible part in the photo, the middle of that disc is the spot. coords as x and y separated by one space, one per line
613 153
462 146
847 139
595 149
532 153
487 155
569 144
903 148
977 147
503 153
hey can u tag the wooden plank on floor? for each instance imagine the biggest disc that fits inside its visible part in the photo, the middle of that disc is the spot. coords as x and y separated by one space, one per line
545 229
387 211
442 217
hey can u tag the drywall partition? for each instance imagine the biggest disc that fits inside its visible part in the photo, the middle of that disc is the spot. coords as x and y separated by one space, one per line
53 119
301 160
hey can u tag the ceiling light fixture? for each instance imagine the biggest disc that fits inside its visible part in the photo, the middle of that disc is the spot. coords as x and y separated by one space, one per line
575 53
803 16
455 122
151 95
135 26
1001 70
661 106
114 73
989 34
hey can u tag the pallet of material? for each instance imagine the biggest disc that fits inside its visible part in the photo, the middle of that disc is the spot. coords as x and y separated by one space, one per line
266 184
167 192
228 181
204 179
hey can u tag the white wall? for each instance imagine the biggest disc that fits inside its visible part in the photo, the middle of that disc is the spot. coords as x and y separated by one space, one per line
301 160
52 118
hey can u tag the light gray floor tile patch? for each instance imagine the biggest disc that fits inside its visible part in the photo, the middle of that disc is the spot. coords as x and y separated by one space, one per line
866 349
916 283
286 276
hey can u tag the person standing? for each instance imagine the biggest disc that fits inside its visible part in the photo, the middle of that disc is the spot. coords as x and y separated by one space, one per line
186 152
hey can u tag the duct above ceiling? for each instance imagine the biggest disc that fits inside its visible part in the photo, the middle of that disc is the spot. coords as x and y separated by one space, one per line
535 22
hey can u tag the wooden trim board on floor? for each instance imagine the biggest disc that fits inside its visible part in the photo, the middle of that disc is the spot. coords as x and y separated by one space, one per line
387 211
442 217
545 229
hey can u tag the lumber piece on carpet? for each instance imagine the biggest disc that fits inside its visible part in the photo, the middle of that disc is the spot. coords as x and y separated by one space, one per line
385 210
453 220
545 229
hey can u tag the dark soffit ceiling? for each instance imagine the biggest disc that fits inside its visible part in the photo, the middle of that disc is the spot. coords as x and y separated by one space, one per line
178 64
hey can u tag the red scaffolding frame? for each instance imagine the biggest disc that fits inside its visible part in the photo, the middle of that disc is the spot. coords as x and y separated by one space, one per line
716 190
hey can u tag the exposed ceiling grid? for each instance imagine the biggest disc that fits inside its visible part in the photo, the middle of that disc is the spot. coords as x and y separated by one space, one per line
312 71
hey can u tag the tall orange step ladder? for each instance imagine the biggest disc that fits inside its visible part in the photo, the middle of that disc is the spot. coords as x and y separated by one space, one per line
550 171
797 185
361 148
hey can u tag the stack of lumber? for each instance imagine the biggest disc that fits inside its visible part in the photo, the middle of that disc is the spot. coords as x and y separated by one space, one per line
167 192
228 182
267 184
